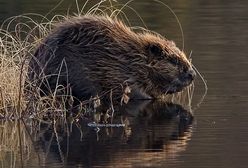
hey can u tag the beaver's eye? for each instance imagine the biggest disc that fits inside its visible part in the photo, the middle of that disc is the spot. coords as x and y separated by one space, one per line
155 51
173 60
185 69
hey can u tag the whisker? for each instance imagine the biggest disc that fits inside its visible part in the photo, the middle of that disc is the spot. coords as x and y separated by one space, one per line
205 86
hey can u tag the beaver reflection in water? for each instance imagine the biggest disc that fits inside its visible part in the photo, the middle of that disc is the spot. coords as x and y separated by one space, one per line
94 54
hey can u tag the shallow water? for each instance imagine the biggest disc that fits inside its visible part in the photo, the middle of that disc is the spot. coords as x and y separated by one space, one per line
217 34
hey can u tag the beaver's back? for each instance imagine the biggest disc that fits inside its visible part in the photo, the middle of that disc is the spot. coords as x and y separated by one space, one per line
86 53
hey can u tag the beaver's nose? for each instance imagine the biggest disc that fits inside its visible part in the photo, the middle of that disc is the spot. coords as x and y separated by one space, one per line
190 74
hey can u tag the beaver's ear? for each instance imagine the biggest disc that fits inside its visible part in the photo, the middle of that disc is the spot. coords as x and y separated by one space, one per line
154 50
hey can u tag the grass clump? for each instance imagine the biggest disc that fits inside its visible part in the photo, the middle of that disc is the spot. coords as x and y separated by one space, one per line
19 36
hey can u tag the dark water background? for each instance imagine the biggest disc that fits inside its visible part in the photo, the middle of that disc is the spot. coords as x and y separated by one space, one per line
217 33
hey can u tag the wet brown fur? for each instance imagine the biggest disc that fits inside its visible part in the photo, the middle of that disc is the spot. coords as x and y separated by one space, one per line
94 54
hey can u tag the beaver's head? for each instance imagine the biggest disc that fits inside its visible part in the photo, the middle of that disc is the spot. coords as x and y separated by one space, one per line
167 68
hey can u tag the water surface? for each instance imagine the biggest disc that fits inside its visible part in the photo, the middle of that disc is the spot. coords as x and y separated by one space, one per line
217 34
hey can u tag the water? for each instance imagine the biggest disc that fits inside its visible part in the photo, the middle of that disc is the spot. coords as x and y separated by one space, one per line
217 34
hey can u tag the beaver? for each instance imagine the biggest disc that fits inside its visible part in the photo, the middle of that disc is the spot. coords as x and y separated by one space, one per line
93 54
